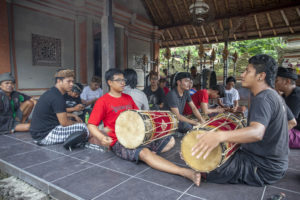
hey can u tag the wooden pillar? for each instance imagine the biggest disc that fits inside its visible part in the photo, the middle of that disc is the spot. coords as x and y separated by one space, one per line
108 41
5 65
225 71
83 52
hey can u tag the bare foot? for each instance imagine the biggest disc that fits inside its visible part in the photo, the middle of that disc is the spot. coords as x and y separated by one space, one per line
193 176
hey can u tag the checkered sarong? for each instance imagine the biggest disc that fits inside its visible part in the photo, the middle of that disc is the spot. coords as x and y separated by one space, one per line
60 133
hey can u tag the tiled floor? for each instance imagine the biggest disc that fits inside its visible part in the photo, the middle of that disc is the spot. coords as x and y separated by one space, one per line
91 174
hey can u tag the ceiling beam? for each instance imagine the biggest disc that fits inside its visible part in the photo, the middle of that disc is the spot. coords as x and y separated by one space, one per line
251 31
230 23
187 34
286 21
298 11
257 26
216 6
158 11
214 33
204 33
150 9
150 14
196 33
168 11
251 2
226 5
271 24
178 12
239 14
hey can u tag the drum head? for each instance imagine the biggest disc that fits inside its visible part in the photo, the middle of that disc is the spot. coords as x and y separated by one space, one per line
130 129
210 163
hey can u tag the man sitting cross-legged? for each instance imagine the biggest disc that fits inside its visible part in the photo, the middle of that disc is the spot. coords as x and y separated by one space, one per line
50 123
263 156
15 107
108 108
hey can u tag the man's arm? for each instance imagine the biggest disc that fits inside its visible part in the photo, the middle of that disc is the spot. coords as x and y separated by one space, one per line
220 102
209 140
183 118
206 110
78 107
88 102
63 119
292 123
95 132
196 112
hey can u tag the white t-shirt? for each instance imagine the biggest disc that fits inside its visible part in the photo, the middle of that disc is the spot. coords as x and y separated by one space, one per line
88 94
230 96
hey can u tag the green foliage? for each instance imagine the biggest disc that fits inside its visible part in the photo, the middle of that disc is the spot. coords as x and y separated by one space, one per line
245 50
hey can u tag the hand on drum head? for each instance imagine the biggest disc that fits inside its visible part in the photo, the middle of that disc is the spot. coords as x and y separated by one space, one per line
206 143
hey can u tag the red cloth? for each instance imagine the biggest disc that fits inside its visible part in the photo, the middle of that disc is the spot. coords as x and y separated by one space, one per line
166 90
107 109
201 96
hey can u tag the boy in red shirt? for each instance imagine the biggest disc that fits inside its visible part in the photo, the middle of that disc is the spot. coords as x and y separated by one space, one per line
201 97
108 108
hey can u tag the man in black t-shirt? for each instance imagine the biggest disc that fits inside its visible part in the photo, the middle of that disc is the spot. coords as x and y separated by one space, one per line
263 156
286 83
176 100
154 93
50 123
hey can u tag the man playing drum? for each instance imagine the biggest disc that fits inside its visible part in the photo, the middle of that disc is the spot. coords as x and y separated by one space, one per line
176 100
108 108
263 156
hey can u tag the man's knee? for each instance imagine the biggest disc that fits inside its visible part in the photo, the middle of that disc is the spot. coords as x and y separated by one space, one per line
170 145
27 104
145 153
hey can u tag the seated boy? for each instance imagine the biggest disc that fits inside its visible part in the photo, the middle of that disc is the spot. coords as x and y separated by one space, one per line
92 92
73 101
15 107
108 108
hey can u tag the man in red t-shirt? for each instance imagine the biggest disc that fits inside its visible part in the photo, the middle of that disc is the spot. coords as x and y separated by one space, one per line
201 97
107 109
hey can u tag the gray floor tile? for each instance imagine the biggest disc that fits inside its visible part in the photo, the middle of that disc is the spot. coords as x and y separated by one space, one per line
290 181
294 161
124 166
175 158
271 192
58 168
93 156
189 197
24 136
16 148
90 182
135 189
169 180
5 140
212 191
31 158
60 149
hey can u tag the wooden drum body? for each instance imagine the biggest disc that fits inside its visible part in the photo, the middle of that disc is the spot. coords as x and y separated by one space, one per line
221 153
138 127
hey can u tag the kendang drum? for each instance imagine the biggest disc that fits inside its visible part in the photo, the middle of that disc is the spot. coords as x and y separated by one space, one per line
218 155
139 127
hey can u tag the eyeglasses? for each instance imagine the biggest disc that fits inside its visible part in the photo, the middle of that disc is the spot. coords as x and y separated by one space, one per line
120 80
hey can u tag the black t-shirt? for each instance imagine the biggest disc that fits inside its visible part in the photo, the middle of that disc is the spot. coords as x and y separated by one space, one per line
271 153
71 101
44 117
154 98
293 102
174 100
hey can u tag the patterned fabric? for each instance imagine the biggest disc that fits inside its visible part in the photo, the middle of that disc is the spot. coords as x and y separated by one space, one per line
60 133
133 154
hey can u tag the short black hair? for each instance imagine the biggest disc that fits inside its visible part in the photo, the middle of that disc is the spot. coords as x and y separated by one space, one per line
267 64
230 79
109 74
193 67
220 89
131 77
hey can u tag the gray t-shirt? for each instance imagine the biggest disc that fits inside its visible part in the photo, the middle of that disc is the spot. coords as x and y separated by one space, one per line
271 153
174 100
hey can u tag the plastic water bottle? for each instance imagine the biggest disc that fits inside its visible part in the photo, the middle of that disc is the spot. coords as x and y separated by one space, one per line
86 117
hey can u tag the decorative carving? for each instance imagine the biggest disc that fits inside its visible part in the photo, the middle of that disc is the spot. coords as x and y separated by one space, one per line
46 51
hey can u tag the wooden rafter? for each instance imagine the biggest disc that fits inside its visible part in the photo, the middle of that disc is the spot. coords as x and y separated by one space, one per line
257 26
216 6
231 26
221 25
239 14
168 11
186 7
204 33
271 24
149 12
157 9
286 21
196 34
243 32
298 11
178 12
150 9
187 34
214 33
226 5
251 2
